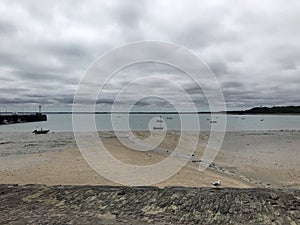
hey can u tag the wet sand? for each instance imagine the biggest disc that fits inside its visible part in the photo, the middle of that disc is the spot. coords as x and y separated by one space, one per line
247 159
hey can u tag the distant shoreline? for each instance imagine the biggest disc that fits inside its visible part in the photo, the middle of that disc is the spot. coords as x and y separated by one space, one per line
228 113
175 113
275 110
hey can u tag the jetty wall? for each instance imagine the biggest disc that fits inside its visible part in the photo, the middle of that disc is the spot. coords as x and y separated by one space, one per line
22 118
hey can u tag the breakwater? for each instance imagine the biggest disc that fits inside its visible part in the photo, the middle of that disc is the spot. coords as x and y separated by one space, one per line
22 118
39 204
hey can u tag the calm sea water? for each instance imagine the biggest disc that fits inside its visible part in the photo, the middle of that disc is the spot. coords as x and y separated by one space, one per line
63 122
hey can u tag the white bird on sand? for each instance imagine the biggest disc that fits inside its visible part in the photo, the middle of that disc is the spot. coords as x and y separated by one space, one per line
217 184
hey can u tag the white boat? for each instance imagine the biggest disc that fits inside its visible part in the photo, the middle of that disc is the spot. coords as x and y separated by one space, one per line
160 127
213 120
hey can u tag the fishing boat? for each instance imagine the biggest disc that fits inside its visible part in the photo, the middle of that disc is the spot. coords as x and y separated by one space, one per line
41 131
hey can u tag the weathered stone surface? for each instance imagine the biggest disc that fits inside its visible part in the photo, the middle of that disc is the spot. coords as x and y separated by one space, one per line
38 204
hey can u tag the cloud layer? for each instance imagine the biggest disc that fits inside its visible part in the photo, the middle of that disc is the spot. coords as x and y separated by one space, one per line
253 47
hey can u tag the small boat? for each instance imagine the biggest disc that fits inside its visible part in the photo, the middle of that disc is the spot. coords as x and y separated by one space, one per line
169 118
20 121
5 121
41 131
160 122
213 120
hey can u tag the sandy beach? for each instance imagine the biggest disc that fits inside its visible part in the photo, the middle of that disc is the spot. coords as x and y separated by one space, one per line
246 159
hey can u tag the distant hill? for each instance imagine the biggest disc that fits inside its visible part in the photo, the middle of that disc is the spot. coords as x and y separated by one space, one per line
269 110
255 110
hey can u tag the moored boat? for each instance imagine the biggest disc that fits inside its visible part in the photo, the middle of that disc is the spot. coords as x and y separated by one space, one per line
41 131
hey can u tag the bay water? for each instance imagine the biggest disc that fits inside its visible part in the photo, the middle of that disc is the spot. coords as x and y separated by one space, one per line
63 122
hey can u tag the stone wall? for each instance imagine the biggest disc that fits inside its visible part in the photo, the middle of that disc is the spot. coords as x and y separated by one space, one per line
38 204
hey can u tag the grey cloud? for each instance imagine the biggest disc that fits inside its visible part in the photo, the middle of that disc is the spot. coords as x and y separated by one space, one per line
232 84
44 77
22 101
128 14
65 49
13 89
201 35
7 28
105 101
218 68
252 48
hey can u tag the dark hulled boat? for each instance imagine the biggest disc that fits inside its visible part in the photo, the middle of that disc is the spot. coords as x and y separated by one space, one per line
41 131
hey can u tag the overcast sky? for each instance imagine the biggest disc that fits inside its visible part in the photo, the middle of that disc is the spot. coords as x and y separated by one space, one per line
253 47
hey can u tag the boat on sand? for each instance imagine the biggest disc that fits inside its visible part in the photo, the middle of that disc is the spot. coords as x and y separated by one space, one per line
41 131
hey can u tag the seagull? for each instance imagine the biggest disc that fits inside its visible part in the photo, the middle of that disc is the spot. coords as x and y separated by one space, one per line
217 184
